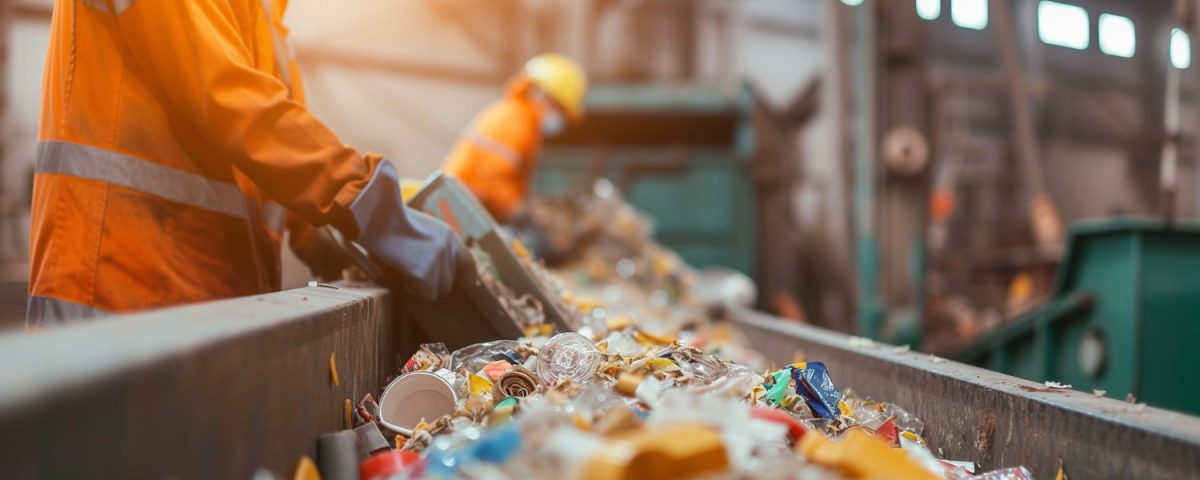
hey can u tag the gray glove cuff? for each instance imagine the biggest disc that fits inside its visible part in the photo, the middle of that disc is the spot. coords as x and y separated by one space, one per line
416 244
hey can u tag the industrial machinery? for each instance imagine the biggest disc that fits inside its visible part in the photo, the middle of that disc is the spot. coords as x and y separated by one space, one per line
680 154
1122 318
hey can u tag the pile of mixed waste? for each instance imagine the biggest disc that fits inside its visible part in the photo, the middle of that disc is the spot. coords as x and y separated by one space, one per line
634 405
652 384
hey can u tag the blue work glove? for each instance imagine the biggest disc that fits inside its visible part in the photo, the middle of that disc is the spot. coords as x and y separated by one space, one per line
421 248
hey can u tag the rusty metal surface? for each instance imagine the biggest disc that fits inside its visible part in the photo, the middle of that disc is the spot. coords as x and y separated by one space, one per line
214 390
992 418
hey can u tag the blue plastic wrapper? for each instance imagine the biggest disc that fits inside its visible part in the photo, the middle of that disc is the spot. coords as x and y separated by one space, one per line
814 384
498 445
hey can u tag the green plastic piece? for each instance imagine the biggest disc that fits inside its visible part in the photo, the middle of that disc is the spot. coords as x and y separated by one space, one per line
779 388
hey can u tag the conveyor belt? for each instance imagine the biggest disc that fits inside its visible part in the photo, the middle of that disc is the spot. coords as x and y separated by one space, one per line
219 389
996 419
207 391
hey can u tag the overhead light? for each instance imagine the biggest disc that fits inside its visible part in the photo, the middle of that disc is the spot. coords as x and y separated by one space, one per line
929 9
1117 35
1181 49
853 3
1063 25
972 14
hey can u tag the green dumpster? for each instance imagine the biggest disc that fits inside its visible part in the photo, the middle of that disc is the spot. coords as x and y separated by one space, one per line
1124 317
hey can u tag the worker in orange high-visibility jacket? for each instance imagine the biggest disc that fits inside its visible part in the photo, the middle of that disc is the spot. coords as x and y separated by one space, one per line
173 143
497 154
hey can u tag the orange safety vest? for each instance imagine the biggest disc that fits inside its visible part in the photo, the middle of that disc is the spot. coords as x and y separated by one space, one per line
166 127
496 156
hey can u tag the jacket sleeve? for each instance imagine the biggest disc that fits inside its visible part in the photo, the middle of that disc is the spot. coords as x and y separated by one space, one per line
195 50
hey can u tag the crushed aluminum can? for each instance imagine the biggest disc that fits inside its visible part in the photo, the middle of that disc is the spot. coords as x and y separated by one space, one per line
517 382
429 357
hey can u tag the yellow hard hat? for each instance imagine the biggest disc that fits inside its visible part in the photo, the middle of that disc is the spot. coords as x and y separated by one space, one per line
562 79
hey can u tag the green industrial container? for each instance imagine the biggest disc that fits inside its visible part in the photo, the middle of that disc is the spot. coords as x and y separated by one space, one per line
1124 317
680 154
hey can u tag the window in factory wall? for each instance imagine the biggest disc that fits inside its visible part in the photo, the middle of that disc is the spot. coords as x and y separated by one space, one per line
1117 35
972 14
1063 25
929 9
1181 49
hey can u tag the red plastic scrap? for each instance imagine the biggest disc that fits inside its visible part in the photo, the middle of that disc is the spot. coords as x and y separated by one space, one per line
389 463
795 428
888 432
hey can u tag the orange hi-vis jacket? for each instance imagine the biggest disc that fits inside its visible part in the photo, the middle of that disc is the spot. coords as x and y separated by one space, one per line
166 127
496 156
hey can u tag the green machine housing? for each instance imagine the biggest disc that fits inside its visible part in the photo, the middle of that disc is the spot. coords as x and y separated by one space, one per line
1124 317
681 154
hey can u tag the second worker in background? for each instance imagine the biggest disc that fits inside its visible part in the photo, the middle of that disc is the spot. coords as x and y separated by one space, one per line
497 154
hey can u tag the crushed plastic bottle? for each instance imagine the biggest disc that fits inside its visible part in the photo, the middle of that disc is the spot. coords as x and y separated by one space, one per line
568 355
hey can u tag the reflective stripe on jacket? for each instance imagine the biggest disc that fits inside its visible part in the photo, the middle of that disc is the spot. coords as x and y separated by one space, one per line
496 156
169 131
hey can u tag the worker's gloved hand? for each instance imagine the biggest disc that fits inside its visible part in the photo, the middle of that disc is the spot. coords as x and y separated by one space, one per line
421 248
317 249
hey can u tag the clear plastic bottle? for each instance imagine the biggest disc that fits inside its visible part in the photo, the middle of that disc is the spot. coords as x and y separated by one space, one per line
568 355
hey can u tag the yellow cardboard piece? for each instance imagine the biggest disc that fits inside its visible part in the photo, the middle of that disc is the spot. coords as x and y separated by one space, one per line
617 421
581 422
721 333
799 356
678 451
333 376
861 455
619 322
539 330
627 383
663 265
478 384
306 470
587 304
519 249
645 338
845 409
659 364
757 393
